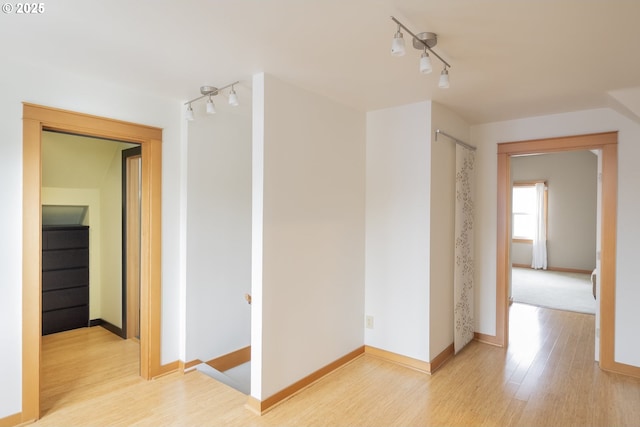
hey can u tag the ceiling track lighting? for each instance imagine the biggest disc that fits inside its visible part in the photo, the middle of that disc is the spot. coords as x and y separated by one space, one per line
424 42
209 92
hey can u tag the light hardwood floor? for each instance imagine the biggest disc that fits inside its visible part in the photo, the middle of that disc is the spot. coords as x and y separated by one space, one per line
547 377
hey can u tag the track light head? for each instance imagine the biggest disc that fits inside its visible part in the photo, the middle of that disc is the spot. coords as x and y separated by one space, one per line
425 63
397 45
189 114
233 97
444 79
211 108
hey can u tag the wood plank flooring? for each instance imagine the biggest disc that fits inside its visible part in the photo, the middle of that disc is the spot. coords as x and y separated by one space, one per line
547 377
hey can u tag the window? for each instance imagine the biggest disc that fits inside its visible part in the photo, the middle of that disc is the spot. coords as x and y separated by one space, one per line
524 210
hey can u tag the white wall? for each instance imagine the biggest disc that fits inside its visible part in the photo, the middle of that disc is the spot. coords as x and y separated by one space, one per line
309 298
218 232
442 235
76 93
398 171
410 228
572 195
486 137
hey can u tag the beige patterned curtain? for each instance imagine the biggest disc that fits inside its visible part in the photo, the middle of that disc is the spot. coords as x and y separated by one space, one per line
463 274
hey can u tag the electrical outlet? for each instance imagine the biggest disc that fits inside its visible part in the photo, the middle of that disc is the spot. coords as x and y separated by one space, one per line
369 322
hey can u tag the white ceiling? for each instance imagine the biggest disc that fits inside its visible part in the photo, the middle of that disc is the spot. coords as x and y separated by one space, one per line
510 59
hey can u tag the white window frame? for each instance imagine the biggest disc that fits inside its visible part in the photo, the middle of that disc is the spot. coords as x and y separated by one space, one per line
524 239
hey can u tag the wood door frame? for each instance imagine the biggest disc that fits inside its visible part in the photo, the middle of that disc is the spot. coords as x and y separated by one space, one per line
37 118
608 143
130 296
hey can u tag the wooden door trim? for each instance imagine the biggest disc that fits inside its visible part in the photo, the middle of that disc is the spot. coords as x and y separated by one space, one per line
130 246
37 118
608 143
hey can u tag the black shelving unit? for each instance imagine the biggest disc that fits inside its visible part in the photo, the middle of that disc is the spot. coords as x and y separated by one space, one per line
65 278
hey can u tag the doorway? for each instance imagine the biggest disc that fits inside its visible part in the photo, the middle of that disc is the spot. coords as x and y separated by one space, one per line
607 143
554 233
35 120
80 172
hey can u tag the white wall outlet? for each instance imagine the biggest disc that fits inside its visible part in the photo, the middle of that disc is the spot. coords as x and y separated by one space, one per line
368 320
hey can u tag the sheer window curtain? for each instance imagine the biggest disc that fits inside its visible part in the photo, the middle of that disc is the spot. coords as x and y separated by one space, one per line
539 254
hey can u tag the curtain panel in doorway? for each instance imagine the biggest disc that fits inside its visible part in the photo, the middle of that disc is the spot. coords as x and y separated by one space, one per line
539 247
463 272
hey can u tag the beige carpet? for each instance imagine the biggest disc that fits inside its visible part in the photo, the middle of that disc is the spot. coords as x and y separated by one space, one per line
553 289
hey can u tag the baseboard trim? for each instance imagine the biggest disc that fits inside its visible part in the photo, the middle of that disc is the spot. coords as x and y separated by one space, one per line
189 366
410 362
254 405
570 270
487 339
231 360
399 359
108 326
622 368
13 420
442 358
560 269
222 363
167 369
261 407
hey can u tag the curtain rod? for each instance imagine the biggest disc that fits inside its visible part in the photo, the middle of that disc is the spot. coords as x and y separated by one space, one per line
456 140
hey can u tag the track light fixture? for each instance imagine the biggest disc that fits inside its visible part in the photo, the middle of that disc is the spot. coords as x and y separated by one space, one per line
424 42
211 91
